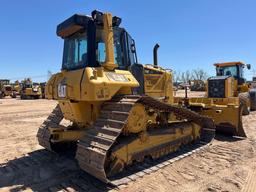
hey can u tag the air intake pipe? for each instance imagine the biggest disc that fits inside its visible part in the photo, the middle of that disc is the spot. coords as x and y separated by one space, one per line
155 55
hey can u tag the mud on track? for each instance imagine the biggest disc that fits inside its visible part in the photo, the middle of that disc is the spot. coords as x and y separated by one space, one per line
227 165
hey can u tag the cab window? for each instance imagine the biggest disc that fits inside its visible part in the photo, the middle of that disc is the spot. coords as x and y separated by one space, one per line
131 53
75 52
101 48
227 71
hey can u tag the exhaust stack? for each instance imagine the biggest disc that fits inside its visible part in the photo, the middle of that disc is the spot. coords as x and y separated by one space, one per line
155 55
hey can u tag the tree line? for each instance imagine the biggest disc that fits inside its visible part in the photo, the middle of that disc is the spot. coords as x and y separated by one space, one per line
189 75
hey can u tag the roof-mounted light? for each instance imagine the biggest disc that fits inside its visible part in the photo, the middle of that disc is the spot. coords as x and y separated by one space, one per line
97 16
116 21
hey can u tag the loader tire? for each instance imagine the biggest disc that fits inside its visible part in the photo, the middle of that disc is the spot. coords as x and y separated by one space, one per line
244 100
253 99
14 95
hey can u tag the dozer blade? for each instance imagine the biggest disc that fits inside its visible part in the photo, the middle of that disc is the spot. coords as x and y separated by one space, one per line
225 112
232 124
228 119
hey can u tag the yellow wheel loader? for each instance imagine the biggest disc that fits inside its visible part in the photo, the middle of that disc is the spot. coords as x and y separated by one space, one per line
30 90
241 88
121 112
228 98
6 89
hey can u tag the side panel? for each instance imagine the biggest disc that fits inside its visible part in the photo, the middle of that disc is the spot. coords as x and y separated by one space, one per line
100 85
80 112
158 83
81 92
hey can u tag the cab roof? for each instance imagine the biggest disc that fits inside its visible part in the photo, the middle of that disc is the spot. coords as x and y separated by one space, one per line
78 22
229 64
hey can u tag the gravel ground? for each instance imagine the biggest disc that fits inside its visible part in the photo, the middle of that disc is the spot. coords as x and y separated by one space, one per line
229 164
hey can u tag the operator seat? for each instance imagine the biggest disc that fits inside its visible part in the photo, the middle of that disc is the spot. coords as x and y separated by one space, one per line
228 73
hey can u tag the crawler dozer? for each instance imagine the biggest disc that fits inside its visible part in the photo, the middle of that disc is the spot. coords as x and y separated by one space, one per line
30 90
120 111
228 98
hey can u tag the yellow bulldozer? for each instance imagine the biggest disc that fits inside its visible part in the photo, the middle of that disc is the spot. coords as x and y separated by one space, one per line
229 96
30 90
121 112
6 89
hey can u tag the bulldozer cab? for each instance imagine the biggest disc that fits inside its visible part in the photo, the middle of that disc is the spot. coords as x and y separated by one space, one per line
97 41
86 43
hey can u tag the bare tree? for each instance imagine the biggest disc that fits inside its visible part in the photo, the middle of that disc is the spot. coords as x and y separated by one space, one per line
199 74
176 77
186 76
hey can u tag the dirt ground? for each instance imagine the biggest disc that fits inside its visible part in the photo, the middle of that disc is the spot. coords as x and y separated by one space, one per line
229 164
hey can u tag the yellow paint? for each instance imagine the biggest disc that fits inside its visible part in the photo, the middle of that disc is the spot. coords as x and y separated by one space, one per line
158 83
221 110
31 92
178 131
109 41
82 92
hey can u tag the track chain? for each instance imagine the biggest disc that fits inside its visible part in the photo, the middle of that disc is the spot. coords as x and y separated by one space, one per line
43 134
92 150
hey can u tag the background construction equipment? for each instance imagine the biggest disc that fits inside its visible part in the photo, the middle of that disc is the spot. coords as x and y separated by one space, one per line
6 89
30 90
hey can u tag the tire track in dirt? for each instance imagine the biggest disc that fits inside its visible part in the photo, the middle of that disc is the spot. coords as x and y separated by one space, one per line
42 170
223 167
250 182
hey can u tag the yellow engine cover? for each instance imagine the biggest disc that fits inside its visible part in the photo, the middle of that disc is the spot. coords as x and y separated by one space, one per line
81 92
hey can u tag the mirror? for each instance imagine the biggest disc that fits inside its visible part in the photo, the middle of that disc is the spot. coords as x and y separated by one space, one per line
133 48
248 66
